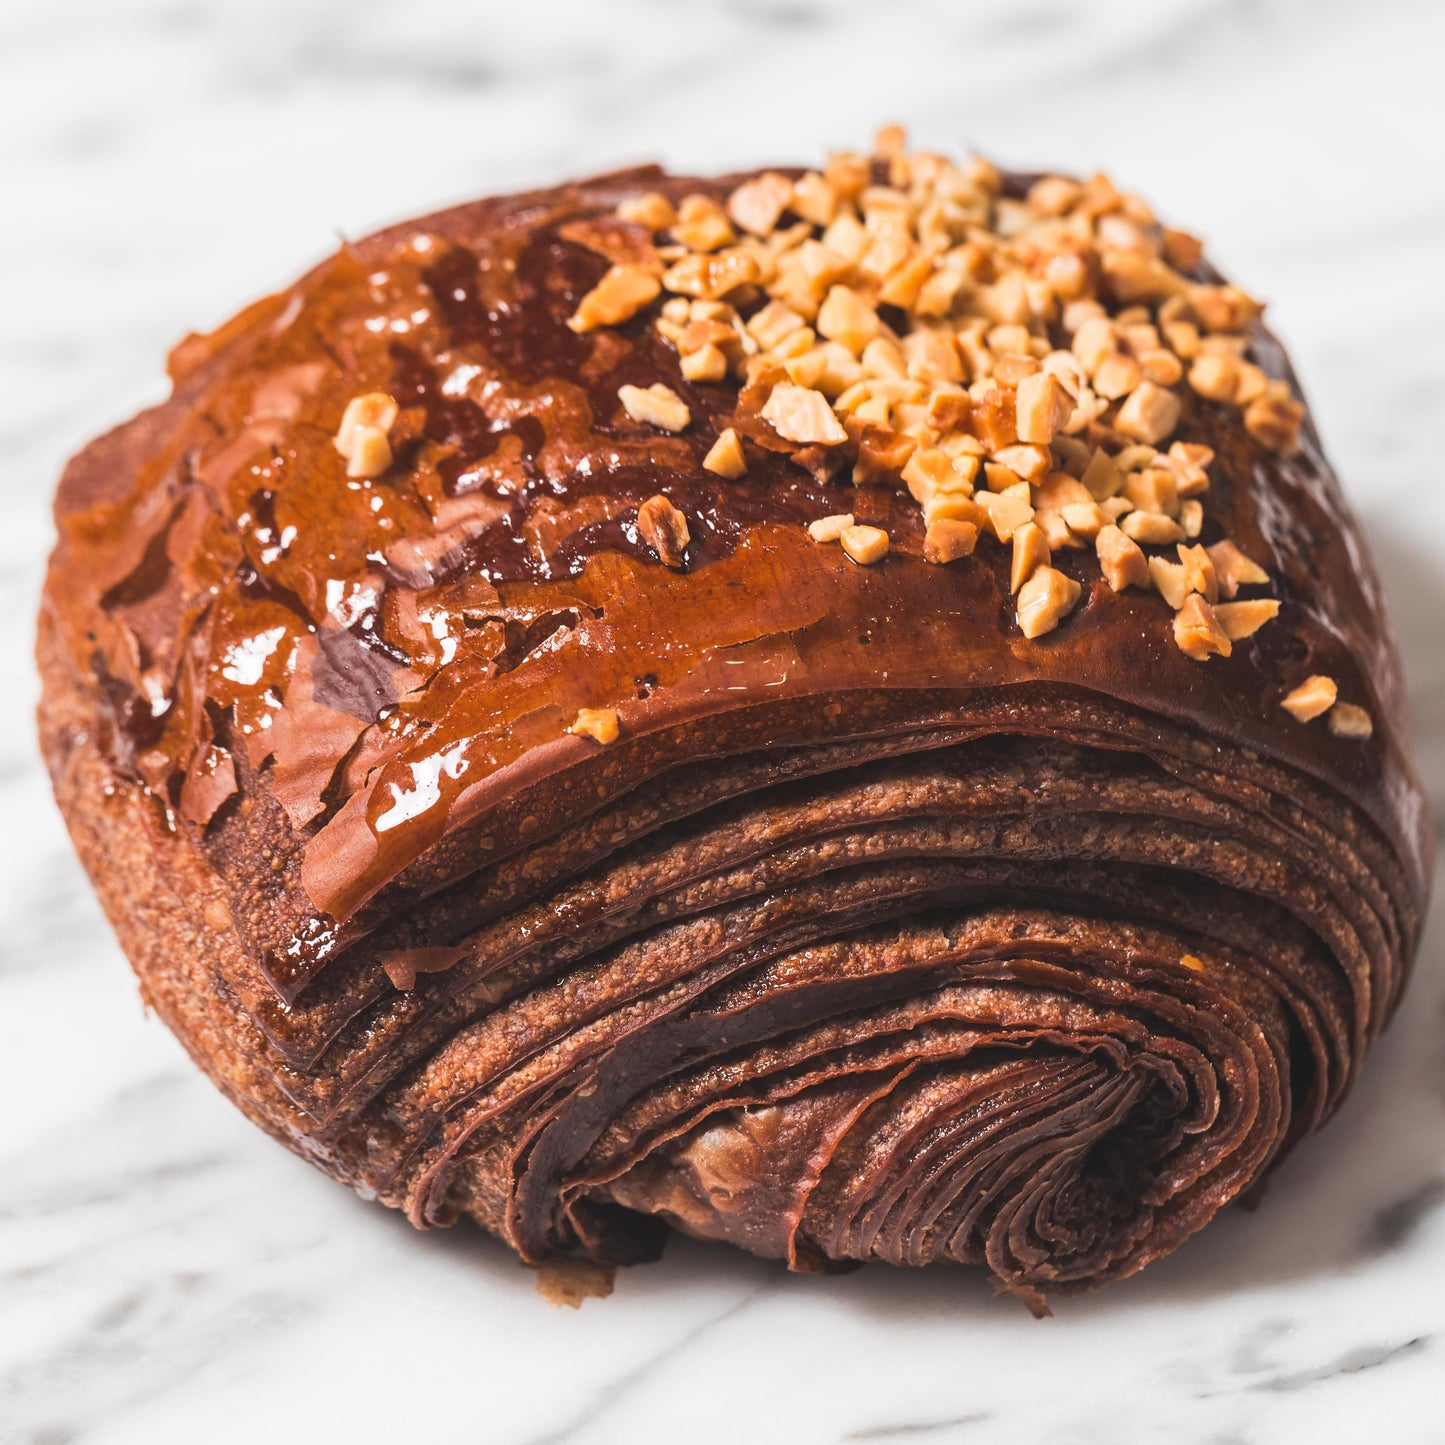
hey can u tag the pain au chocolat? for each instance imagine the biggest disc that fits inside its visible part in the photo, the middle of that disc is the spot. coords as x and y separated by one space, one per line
840 711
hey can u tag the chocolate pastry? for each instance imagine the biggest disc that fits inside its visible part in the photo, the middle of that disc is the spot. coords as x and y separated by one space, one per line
840 711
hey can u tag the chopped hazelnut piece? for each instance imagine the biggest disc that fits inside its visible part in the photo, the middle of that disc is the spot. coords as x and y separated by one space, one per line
1029 462
597 722
370 452
657 405
1274 422
1197 631
1313 696
947 539
664 529
1199 572
1045 600
725 457
652 210
1121 560
846 318
705 364
865 545
830 529
1150 413
1346 720
757 204
814 199
617 297
362 436
702 224
1117 375
1041 407
1233 569
1153 529
1243 619
1031 551
799 414
1169 582
1214 376
1006 511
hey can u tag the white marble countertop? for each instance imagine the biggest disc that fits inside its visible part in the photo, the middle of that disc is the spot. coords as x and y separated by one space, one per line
168 1274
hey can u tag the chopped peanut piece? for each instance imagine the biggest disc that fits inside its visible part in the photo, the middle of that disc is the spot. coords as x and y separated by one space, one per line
1199 572
1150 413
1243 619
617 297
830 529
1045 600
664 529
1031 551
1006 511
725 457
1153 529
1197 631
1233 569
865 545
1214 376
1346 720
814 199
846 318
597 722
1041 407
1117 375
657 405
1084 519
946 540
1029 462
376 411
1169 581
702 224
799 414
705 364
1274 422
1313 696
1121 560
652 210
370 452
756 205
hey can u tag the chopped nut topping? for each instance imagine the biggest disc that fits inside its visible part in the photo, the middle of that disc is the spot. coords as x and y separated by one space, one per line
800 414
948 539
914 325
1197 631
1031 552
617 297
657 405
362 436
1233 569
1313 696
1121 559
1346 720
664 529
830 529
1045 600
707 363
756 205
652 210
597 722
1244 619
725 457
865 545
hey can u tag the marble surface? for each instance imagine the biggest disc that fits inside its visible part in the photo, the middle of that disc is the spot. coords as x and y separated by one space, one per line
166 1273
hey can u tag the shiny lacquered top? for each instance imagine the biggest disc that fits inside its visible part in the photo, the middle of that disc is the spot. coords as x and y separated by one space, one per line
388 655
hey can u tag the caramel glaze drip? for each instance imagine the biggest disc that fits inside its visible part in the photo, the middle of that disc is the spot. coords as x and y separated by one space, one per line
392 661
